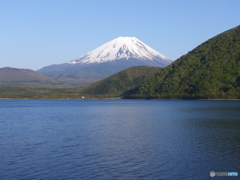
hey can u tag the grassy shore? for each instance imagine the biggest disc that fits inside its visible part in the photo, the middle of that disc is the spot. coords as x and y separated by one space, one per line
40 93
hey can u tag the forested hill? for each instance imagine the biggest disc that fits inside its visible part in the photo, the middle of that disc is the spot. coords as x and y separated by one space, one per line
211 71
122 81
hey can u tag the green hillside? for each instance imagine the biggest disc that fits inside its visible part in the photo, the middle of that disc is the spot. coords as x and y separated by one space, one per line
23 92
122 82
210 71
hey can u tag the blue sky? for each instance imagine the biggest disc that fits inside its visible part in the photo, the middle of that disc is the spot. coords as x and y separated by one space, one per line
37 33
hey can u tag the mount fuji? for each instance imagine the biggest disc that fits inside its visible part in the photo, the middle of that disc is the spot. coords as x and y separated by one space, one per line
112 57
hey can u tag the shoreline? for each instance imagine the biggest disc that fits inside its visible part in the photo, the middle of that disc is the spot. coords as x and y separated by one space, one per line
114 99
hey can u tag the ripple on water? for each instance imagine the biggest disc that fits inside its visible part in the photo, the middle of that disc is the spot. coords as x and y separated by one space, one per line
118 139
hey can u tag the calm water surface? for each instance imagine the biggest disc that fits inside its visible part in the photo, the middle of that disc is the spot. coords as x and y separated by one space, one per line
118 139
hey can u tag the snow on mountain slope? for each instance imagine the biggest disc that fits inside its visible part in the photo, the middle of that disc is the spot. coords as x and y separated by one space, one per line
108 59
122 48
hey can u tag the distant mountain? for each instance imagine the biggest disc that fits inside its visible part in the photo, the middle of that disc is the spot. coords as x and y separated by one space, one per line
122 82
13 76
212 70
123 48
112 57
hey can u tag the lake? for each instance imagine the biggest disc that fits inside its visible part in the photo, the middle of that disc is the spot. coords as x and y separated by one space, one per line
118 139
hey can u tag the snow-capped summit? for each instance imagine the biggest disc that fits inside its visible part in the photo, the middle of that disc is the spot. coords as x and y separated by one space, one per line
112 57
122 48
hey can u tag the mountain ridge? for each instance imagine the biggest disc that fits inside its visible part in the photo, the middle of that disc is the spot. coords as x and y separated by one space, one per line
87 70
15 76
210 71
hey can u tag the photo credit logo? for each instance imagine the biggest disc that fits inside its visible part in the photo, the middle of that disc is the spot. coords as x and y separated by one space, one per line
212 173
